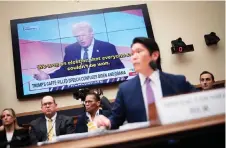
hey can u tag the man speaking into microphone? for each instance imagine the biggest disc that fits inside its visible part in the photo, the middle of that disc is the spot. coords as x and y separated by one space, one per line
150 85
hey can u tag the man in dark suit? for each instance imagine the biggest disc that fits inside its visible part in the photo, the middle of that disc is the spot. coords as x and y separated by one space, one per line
92 105
86 55
45 128
150 85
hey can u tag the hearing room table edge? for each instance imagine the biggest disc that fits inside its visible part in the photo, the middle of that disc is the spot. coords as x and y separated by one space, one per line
150 132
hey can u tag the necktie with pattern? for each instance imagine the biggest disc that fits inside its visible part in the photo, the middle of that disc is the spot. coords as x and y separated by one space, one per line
50 129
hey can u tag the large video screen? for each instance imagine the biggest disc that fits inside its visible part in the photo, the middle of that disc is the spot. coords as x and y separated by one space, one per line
64 52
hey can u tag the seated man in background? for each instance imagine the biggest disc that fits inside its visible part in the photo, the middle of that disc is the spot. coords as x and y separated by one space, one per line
206 80
52 124
10 133
150 85
92 105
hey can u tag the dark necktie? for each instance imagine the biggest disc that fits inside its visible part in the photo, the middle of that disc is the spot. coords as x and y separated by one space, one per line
85 57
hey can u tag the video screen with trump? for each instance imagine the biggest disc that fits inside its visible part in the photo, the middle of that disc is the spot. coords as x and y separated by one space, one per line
81 49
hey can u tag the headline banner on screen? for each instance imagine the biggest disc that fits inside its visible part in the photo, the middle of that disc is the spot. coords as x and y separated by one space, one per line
77 79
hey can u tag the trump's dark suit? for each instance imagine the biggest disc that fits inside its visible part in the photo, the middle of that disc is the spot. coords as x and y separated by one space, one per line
129 103
63 125
100 49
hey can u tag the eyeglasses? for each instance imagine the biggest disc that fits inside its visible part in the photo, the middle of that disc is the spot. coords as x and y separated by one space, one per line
47 103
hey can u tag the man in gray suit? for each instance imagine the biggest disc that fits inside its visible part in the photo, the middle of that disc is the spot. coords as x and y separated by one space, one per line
52 124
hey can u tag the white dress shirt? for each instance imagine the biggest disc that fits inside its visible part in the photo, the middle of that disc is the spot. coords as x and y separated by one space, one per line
9 136
155 85
89 116
90 51
53 124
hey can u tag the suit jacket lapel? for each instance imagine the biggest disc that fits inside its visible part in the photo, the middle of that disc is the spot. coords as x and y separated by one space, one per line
96 51
167 86
100 112
77 53
43 129
58 122
139 99
4 135
14 135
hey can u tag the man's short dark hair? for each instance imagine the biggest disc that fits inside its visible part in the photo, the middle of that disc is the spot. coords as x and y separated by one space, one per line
151 45
96 96
207 72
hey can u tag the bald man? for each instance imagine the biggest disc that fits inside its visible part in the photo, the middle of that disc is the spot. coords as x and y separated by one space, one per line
51 124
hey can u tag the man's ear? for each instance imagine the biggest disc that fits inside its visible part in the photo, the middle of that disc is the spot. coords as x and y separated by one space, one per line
98 103
155 55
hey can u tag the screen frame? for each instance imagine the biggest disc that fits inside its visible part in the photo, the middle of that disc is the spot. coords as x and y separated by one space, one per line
16 47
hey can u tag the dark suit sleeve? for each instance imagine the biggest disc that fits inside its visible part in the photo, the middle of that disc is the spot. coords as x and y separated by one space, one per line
69 125
81 126
105 103
33 134
107 113
62 72
114 63
187 87
118 111
3 140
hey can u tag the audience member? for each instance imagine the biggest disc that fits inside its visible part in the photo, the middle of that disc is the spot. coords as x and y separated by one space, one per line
11 135
206 80
92 106
52 124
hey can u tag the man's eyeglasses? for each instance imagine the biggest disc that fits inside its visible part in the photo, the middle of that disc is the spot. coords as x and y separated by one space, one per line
47 103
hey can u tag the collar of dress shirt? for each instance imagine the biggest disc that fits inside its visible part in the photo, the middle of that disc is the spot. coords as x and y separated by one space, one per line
90 48
53 118
89 116
154 77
